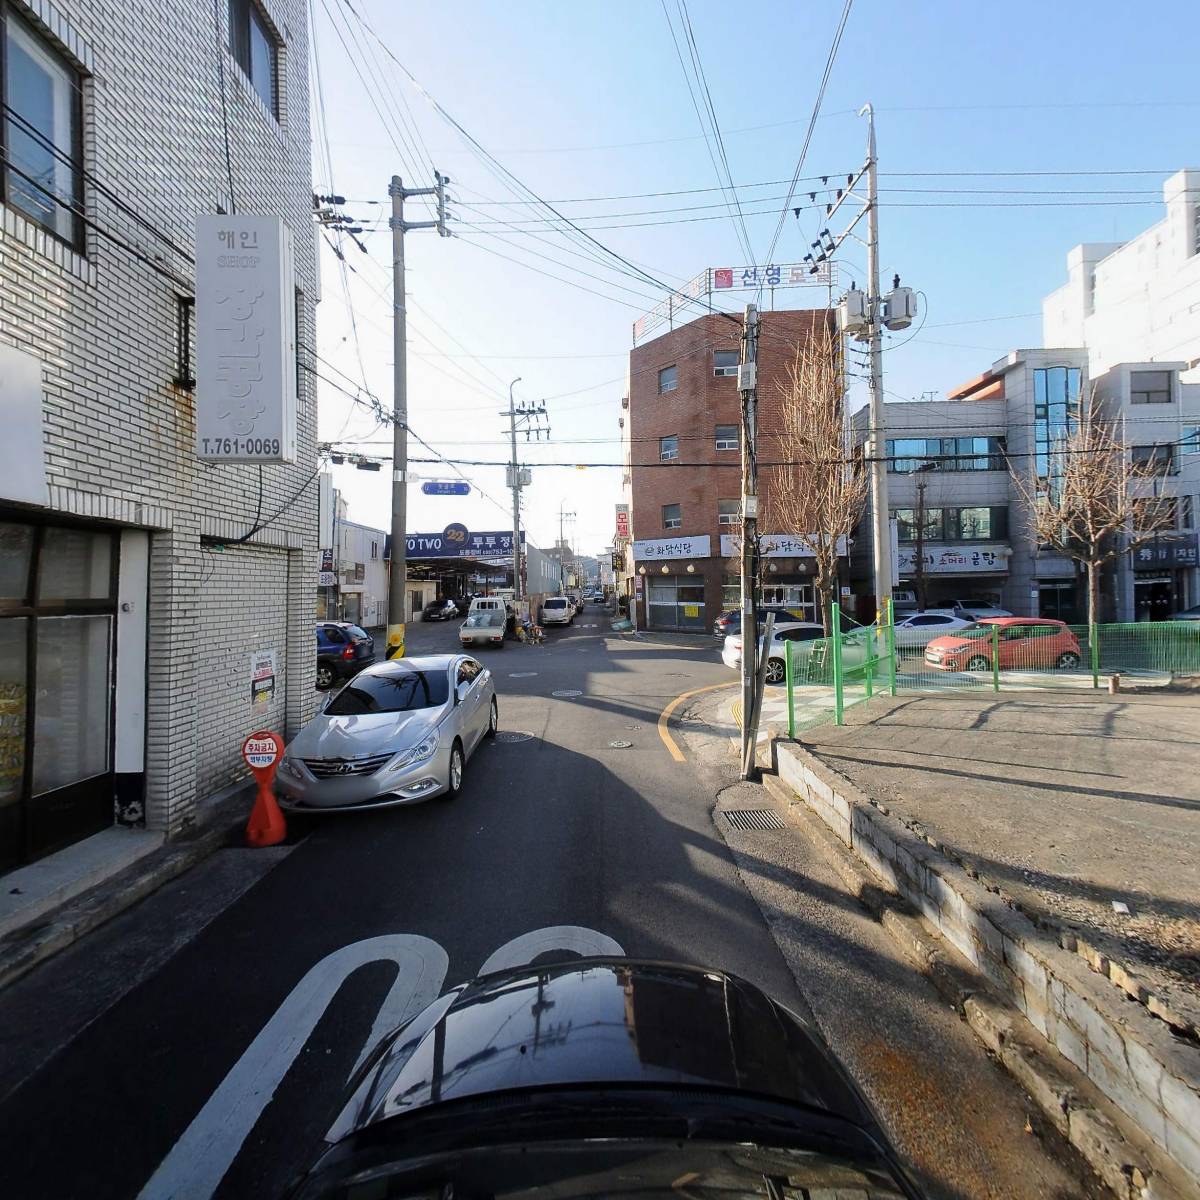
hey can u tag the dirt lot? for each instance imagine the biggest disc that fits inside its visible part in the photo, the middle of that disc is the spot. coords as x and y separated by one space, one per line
1064 802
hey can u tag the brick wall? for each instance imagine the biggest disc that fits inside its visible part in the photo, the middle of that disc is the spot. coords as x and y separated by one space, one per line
118 433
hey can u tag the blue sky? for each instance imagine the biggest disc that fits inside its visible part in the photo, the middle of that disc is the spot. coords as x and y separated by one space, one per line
590 100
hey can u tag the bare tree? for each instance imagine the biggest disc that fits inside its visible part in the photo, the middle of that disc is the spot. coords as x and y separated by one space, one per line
1090 504
818 495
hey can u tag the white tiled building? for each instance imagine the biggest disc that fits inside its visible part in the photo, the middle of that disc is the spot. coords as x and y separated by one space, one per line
136 582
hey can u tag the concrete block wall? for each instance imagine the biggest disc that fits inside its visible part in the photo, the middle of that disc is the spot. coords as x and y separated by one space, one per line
1149 1071
118 433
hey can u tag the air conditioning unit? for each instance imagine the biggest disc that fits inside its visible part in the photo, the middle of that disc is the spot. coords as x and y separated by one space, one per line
624 401
621 422
900 308
852 314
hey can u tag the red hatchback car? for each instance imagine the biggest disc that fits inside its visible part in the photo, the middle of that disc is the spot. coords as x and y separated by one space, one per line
1025 643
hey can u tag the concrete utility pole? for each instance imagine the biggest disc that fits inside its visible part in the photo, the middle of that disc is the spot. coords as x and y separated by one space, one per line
562 549
748 388
398 571
528 415
877 445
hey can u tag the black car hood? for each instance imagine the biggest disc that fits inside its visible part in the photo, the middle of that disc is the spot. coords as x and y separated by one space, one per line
601 1022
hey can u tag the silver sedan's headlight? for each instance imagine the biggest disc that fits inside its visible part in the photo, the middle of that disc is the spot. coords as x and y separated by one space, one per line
424 749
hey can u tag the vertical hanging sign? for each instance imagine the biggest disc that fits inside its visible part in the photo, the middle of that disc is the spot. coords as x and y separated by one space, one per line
245 340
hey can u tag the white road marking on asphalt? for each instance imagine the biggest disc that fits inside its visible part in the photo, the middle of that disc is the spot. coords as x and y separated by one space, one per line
528 946
198 1161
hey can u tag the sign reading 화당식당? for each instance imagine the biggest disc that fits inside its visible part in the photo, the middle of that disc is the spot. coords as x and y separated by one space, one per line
680 547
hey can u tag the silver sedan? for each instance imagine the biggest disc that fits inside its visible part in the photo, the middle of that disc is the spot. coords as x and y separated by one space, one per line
397 733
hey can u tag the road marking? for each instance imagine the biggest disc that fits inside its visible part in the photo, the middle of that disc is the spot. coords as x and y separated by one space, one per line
199 1160
664 718
525 948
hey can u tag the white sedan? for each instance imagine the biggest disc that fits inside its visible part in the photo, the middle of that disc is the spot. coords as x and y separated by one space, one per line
922 627
784 632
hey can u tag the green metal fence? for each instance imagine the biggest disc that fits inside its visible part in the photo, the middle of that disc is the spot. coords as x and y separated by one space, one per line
827 676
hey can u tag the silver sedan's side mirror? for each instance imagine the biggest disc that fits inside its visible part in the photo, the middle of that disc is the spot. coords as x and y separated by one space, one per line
460 692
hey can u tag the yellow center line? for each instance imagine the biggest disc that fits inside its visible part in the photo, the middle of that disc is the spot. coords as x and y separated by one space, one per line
664 718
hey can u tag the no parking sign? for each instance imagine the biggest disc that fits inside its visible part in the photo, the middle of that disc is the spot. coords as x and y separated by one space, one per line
262 750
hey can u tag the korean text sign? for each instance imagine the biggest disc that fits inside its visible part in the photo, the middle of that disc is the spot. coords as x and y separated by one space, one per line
245 340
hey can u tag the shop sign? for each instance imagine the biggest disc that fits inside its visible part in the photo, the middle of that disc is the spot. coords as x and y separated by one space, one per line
622 520
956 560
773 545
262 677
245 340
1167 550
680 547
456 542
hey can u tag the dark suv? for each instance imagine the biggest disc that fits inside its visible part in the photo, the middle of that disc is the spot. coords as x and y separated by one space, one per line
342 650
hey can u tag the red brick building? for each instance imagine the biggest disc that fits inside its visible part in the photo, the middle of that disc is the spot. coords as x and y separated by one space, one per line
683 444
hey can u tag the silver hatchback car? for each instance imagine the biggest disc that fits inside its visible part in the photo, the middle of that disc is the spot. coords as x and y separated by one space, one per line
397 733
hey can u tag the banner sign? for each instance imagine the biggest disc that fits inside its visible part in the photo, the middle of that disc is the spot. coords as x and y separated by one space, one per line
456 542
773 545
680 547
956 560
1167 550
622 520
245 340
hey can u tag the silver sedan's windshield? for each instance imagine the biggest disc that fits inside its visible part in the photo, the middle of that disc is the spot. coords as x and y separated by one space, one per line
398 689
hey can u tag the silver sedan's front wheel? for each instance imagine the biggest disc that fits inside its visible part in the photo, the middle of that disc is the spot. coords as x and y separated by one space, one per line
776 671
455 776
493 720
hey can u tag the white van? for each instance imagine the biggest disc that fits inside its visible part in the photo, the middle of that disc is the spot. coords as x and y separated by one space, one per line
557 610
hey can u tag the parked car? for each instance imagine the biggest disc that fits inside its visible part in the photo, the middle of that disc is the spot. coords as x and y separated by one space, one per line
399 732
974 608
483 629
663 1080
915 631
1187 614
444 609
730 621
788 631
558 610
343 650
1025 643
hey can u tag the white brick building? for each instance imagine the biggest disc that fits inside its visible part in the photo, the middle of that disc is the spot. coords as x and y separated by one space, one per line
133 592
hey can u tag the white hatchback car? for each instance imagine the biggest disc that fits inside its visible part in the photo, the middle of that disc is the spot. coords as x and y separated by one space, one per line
558 610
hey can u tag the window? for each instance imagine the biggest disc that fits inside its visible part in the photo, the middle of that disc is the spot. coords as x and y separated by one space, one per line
1187 513
729 512
668 379
931 620
1150 387
1155 512
374 549
668 448
468 669
727 437
1154 460
397 688
334 634
1190 442
1055 409
725 362
950 454
40 132
954 524
672 516
256 49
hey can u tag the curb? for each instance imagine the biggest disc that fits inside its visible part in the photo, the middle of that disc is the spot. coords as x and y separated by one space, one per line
24 949
1117 1148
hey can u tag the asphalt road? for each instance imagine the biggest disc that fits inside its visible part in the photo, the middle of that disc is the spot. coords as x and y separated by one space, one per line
129 1064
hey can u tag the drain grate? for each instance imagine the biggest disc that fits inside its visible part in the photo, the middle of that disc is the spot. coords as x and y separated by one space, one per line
753 818
566 693
513 735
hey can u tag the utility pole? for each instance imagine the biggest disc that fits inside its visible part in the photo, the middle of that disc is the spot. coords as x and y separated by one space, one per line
527 414
880 515
748 389
562 549
398 570
920 564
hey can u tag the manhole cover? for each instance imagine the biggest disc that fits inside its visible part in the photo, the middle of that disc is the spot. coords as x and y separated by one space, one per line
567 692
753 818
513 735
521 674
620 745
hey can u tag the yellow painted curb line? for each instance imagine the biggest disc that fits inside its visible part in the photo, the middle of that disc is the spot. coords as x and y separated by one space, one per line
736 710
665 717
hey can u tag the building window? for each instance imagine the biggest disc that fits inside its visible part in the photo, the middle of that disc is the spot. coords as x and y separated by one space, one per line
1154 460
982 524
729 512
1156 512
727 437
905 455
256 48
668 379
668 448
1055 411
672 516
725 362
374 549
1190 442
41 138
1187 512
1150 387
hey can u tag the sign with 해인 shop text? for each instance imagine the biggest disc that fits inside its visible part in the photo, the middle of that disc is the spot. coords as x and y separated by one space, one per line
245 340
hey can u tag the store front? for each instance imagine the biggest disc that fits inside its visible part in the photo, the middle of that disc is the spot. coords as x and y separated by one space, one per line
1154 595
58 616
675 602
1059 600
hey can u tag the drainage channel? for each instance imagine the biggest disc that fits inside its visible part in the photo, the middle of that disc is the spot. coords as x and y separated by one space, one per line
747 819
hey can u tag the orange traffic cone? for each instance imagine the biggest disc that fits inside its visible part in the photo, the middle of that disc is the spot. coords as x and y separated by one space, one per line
262 752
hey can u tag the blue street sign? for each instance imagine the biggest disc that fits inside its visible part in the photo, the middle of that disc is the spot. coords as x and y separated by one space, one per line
447 487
